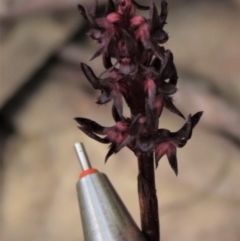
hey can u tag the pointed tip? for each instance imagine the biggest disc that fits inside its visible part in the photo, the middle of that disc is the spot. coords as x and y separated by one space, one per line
84 67
80 7
105 160
158 157
172 158
78 119
111 151
82 11
196 117
153 14
98 52
174 166
168 103
200 113
115 114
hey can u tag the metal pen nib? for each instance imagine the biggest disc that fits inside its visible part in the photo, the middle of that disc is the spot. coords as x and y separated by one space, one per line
82 156
104 216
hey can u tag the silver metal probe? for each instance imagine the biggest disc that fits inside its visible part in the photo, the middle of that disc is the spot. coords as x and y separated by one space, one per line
82 156
104 215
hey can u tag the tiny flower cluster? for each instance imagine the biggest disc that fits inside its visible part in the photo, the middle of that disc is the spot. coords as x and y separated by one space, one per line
144 75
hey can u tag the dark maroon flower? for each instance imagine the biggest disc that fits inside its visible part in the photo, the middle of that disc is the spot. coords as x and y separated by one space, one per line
139 136
143 74
167 142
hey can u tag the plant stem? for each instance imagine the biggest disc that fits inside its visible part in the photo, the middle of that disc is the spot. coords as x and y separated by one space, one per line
147 197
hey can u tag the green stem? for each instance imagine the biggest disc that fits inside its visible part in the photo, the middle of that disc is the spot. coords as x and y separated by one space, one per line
147 197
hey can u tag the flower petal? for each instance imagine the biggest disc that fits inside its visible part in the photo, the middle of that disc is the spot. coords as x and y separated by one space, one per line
168 69
110 152
104 140
160 150
92 78
157 50
92 126
87 16
115 114
150 88
104 98
172 158
164 13
171 107
98 52
165 61
160 36
124 143
195 118
107 61
93 8
153 16
167 89
156 63
117 101
182 136
82 11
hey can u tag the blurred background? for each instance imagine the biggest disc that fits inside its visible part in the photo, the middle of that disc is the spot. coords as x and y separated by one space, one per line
42 89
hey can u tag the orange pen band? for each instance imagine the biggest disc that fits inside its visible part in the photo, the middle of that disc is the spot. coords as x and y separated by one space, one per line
87 172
